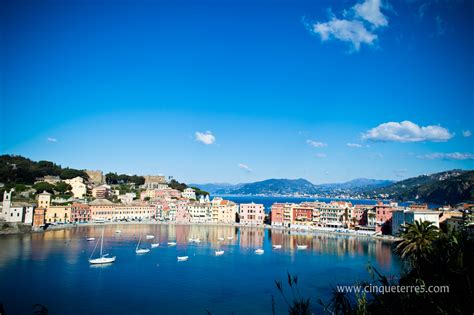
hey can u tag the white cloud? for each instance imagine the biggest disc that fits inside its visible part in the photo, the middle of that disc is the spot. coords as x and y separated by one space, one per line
466 133
357 27
354 145
448 156
316 144
245 167
370 11
320 155
205 137
406 131
52 140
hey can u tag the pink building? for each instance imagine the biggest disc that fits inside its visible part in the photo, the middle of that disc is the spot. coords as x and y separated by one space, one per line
252 214
383 217
277 214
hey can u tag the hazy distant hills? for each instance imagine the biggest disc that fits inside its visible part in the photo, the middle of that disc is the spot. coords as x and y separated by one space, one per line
447 187
298 186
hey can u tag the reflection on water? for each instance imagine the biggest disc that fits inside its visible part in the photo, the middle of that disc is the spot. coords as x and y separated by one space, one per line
39 246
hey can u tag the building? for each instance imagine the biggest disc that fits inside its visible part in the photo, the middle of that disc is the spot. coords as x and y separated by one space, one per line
153 181
252 214
39 217
16 212
101 192
189 193
401 217
336 214
80 212
127 197
200 212
53 180
383 217
302 216
44 200
136 211
96 177
102 209
58 214
79 189
276 214
223 211
182 214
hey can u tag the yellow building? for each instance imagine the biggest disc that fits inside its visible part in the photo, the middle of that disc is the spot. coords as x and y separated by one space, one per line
56 214
44 200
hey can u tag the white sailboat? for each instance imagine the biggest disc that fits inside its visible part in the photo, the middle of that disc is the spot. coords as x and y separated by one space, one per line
103 258
90 239
230 237
171 243
183 258
139 250
219 252
155 245
259 251
301 247
149 237
118 231
220 239
276 246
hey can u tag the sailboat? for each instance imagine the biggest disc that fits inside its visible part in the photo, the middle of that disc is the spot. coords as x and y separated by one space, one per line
139 250
155 245
219 252
300 247
259 251
276 246
103 258
183 258
150 237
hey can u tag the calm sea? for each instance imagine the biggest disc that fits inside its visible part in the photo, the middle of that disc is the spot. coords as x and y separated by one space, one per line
52 268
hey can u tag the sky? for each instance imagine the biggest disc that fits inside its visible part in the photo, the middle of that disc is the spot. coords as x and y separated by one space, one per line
240 91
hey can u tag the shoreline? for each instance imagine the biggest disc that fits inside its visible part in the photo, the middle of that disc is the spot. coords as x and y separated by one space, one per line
21 229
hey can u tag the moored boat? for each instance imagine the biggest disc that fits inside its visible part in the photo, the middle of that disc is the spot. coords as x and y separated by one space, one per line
221 239
301 246
171 243
139 250
259 251
276 246
230 237
155 245
103 258
90 239
219 252
149 237
183 258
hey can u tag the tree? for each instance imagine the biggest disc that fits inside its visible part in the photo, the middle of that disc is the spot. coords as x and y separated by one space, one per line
44 186
417 241
62 187
69 173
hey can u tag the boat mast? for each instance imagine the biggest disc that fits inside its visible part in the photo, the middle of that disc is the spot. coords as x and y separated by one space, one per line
101 243
139 241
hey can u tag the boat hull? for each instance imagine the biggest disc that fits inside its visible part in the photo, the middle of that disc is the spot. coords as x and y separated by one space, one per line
102 260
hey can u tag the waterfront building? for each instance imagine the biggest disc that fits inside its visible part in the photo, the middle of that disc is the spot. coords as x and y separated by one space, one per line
276 214
58 214
302 216
383 217
135 211
80 212
189 193
102 209
39 217
96 177
335 214
182 213
16 212
401 217
101 192
223 211
79 189
200 212
252 214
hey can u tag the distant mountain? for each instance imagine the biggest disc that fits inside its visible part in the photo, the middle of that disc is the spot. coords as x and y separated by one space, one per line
213 187
449 187
358 184
272 187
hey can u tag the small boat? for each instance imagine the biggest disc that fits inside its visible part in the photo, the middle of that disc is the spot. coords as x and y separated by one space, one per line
139 250
118 231
197 240
183 258
90 239
150 237
276 246
103 258
301 246
155 245
191 240
259 251
220 239
219 252
171 243
230 237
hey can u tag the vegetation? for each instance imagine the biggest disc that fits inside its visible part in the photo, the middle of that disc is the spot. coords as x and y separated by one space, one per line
115 179
182 186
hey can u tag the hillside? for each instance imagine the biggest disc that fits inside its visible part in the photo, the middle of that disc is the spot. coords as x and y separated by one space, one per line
272 187
447 187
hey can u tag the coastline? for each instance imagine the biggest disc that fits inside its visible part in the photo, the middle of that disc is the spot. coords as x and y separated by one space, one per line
26 229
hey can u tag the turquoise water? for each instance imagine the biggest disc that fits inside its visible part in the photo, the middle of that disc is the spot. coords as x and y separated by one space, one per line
51 268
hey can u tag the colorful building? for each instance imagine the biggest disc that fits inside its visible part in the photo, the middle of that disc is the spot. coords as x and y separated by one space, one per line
252 214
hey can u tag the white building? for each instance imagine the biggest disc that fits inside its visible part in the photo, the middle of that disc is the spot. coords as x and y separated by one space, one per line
402 216
127 198
16 212
79 189
189 193
200 212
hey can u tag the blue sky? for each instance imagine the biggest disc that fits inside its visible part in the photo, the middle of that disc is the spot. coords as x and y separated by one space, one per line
238 91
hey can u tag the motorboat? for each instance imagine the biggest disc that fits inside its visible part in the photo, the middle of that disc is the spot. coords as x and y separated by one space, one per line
155 245
301 246
149 237
276 246
90 239
259 251
171 243
219 252
183 258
